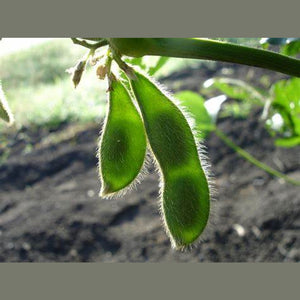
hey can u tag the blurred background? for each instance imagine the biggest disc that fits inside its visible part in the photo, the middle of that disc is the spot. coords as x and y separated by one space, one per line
49 204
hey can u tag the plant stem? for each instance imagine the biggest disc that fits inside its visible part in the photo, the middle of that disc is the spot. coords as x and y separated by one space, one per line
209 50
253 160
92 46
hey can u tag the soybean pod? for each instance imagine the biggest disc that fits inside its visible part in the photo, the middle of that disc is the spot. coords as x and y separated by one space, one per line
185 191
123 141
5 112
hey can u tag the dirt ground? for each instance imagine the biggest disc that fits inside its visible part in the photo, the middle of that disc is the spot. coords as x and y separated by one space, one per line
50 209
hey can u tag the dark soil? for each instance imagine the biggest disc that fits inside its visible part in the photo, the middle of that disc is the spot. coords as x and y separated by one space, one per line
50 209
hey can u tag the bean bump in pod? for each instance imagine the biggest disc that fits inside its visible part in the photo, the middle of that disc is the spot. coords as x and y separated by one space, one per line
123 142
185 190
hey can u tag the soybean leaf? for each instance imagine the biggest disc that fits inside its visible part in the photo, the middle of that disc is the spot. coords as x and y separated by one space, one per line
236 89
288 46
138 61
292 48
236 110
287 103
194 104
288 142
159 64
213 106
148 63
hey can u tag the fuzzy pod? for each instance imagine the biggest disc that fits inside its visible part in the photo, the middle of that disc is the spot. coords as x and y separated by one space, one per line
185 190
122 147
5 112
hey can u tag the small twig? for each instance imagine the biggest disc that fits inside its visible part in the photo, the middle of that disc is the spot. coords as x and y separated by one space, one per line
93 39
123 66
85 44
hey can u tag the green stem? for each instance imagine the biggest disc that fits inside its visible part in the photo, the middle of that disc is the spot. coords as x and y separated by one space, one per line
93 46
253 160
209 50
123 66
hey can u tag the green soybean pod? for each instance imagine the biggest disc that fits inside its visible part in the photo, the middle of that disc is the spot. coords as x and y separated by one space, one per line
122 144
185 190
5 112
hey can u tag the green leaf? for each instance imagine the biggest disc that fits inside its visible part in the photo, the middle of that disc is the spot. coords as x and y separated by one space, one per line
236 89
236 110
194 104
292 48
288 142
159 64
138 61
288 46
287 103
148 63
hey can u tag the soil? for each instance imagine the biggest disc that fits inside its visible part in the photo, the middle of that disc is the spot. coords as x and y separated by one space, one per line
50 209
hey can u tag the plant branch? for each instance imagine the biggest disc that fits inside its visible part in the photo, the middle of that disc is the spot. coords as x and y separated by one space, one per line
253 160
209 50
92 46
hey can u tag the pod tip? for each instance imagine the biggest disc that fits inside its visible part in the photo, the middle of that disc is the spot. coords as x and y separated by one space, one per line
105 191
